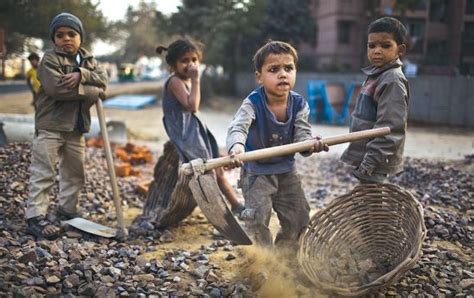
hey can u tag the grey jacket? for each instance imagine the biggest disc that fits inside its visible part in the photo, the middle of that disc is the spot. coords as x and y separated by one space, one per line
60 108
383 101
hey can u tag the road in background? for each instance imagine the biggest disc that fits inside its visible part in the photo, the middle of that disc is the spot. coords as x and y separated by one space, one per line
421 142
145 125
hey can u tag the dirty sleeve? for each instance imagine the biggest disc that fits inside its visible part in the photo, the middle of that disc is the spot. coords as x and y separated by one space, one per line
302 130
95 77
239 127
50 73
392 111
302 126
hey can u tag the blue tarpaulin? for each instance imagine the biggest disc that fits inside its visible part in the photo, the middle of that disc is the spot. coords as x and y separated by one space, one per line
130 101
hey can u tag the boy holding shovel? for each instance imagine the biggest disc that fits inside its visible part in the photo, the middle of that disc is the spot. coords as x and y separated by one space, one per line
71 83
272 115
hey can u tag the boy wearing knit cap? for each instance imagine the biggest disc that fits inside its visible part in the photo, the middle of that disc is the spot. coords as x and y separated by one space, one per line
71 82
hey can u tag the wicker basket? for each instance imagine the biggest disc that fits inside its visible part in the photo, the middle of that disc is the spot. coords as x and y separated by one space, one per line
363 241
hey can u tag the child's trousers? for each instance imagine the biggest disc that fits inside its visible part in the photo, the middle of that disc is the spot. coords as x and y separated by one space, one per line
48 148
284 193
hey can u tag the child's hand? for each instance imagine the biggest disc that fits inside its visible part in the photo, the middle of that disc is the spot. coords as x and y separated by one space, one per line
102 94
70 80
236 149
319 146
193 70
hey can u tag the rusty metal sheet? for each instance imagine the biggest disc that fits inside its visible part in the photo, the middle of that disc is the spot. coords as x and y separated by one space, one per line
209 198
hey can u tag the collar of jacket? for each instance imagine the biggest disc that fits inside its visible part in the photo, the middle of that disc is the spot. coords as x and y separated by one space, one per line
83 52
372 70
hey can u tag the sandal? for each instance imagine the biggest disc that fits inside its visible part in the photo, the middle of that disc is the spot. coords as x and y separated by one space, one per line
63 214
38 226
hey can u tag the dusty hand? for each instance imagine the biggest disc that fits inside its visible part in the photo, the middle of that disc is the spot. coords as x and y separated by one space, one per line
71 80
319 146
236 149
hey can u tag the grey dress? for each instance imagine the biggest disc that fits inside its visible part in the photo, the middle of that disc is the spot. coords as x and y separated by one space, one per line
187 132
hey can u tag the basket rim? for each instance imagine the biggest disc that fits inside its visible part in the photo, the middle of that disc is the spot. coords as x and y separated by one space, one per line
387 278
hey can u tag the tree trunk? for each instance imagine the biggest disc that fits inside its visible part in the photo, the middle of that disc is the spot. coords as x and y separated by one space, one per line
169 198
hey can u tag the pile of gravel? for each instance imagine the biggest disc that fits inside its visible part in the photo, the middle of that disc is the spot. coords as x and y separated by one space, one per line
81 264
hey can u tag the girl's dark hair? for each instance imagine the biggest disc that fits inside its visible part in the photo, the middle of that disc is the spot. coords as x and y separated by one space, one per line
33 56
390 25
178 48
273 47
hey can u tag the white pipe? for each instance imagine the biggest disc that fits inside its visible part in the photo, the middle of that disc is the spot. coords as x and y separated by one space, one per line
21 128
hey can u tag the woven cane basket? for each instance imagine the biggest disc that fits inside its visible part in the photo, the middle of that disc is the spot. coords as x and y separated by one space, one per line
363 241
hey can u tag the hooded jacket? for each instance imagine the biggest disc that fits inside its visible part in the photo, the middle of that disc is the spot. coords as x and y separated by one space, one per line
383 101
58 107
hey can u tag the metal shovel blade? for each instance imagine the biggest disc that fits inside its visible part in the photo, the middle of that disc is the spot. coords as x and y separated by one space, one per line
211 201
92 227
117 132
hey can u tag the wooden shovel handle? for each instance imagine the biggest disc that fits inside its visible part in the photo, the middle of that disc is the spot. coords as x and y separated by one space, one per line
121 229
283 150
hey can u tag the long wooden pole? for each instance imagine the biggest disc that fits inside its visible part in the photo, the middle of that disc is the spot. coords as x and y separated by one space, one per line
121 229
276 151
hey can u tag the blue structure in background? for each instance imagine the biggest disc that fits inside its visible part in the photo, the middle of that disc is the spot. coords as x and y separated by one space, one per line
320 108
130 101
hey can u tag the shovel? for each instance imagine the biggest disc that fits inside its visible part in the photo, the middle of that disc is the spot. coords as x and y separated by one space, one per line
92 227
211 201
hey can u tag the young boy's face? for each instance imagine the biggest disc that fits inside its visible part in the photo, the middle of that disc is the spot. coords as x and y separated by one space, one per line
382 48
34 63
67 39
278 75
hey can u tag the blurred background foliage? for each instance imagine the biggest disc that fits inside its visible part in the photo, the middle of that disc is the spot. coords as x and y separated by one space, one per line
231 30
23 19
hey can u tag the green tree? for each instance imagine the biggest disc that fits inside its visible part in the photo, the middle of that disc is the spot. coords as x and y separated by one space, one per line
229 30
232 30
289 21
140 32
30 18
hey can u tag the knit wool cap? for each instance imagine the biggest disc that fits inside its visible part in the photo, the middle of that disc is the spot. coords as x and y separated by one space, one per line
66 20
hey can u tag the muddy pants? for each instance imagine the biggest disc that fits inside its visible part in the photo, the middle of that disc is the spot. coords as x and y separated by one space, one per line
48 148
284 194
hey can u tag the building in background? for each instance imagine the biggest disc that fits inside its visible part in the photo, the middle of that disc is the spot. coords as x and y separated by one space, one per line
441 33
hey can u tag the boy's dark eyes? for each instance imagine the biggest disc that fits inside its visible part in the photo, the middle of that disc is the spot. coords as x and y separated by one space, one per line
385 46
70 34
275 69
187 60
